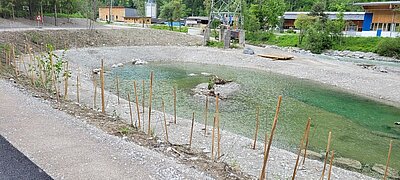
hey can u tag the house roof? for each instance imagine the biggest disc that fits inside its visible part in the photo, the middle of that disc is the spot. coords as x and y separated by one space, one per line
378 3
331 15
114 7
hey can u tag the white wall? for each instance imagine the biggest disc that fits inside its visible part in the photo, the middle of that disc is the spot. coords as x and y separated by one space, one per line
151 10
372 34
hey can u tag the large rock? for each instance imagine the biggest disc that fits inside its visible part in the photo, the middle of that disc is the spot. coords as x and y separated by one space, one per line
248 51
348 163
380 168
223 90
312 154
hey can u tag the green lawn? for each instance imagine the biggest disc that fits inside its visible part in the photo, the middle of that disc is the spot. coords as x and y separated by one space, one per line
364 44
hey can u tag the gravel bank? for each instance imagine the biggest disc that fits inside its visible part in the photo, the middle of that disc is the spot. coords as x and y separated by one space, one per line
236 149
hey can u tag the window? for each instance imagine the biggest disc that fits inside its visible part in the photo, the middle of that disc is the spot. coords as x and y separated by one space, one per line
106 17
116 17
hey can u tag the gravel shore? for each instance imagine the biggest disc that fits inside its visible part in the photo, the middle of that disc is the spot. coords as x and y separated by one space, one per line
236 149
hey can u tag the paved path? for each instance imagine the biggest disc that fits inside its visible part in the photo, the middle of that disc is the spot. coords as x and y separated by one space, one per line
67 148
15 165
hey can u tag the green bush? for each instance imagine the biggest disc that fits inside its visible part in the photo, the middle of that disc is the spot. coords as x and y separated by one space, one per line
168 28
259 37
389 47
62 15
364 44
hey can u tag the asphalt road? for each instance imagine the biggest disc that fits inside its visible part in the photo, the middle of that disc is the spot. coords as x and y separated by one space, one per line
15 165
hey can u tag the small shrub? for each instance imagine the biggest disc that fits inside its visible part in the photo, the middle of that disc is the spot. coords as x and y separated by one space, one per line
389 47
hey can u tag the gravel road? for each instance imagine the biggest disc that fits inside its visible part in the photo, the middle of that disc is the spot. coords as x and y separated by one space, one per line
66 147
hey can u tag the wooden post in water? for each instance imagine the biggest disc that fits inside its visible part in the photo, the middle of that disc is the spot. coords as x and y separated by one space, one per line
174 105
191 132
388 160
300 147
117 79
103 110
257 125
330 165
165 120
205 117
150 96
266 154
130 108
218 128
212 139
137 104
143 97
326 154
307 140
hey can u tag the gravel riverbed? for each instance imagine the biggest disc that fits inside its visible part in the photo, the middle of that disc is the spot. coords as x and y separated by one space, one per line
236 149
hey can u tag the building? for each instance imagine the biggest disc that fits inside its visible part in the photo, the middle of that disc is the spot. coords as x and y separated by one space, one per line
196 21
122 14
151 9
381 19
354 20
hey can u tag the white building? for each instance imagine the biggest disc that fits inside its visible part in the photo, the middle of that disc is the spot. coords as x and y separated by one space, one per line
151 9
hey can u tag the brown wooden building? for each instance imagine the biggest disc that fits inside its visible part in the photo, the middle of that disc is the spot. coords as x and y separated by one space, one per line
122 14
354 20
381 16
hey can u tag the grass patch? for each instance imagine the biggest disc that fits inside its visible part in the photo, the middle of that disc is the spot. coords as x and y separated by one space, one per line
63 15
168 28
364 44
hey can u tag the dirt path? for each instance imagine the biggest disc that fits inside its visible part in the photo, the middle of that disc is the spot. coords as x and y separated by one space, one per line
68 148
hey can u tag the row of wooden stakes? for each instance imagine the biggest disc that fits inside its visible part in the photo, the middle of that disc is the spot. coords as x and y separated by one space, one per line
10 60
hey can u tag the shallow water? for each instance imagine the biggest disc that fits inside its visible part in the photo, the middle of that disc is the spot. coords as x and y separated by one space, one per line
361 128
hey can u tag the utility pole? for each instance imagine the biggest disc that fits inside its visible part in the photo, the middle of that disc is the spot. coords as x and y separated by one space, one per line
55 12
110 11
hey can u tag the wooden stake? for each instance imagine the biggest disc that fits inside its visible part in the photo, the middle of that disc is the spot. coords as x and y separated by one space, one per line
95 91
150 96
307 140
264 167
212 139
330 165
300 147
218 129
117 87
66 74
388 160
130 108
165 121
191 132
174 105
103 110
326 154
257 125
137 104
143 97
77 87
205 117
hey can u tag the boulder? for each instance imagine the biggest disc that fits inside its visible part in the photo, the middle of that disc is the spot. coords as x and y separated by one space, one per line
397 123
138 62
120 65
312 154
223 90
380 168
114 66
96 71
248 51
348 163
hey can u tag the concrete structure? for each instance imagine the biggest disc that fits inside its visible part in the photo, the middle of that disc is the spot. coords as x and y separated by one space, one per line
381 19
151 9
196 21
122 14
354 20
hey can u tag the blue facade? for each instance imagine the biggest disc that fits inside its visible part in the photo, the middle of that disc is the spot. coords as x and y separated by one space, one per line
367 22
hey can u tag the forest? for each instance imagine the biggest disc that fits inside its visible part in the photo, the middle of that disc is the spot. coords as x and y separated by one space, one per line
85 8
